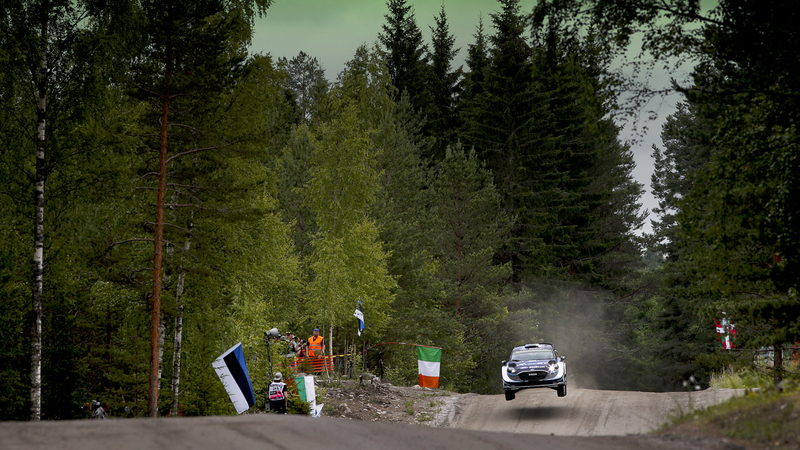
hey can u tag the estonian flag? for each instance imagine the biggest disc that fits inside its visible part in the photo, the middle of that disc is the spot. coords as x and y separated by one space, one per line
360 316
232 371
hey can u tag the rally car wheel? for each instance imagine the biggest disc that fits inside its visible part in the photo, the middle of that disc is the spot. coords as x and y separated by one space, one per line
510 395
562 390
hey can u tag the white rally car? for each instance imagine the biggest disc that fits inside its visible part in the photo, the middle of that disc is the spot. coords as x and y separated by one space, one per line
534 366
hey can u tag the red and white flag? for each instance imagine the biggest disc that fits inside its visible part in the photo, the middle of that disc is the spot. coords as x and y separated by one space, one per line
726 332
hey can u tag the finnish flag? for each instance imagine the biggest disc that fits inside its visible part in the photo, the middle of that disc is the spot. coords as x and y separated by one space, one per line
359 314
231 369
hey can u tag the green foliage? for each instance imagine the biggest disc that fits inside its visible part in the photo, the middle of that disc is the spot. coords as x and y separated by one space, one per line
14 309
409 407
686 153
298 406
347 262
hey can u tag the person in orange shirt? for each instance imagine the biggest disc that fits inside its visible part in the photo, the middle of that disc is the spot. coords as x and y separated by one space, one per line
315 345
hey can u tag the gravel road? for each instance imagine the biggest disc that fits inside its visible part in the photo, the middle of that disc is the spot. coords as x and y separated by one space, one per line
583 412
584 420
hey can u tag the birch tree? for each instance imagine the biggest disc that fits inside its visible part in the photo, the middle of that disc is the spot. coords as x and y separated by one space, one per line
49 55
348 261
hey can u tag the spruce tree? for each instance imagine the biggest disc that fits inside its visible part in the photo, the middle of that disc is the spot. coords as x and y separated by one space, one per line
503 124
687 150
477 64
445 85
406 57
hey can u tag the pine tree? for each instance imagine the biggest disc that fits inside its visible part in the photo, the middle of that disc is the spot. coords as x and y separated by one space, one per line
306 79
187 52
466 228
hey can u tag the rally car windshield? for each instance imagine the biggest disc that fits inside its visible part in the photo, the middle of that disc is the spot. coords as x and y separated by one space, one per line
532 355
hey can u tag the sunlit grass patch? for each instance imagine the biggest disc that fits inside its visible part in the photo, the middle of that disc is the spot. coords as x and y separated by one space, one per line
756 375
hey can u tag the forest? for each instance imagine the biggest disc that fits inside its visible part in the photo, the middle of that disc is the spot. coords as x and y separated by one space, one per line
165 194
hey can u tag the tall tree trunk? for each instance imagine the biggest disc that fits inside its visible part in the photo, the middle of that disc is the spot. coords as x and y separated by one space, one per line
176 354
162 334
777 364
176 361
38 239
158 239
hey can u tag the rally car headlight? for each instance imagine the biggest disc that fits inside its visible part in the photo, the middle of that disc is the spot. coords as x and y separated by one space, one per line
553 368
512 370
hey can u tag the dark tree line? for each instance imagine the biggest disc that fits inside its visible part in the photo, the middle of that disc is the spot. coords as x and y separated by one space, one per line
724 176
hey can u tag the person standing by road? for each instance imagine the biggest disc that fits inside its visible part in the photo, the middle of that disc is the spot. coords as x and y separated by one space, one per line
98 412
278 394
315 345
292 345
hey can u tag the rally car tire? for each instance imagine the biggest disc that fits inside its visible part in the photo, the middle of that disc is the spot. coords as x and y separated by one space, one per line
562 390
510 395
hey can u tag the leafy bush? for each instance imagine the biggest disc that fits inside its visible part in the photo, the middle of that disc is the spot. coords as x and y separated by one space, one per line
297 406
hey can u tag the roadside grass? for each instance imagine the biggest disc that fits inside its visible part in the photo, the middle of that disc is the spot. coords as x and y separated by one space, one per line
767 417
757 375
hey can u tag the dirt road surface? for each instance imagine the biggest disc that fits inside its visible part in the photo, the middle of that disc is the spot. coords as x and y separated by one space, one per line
268 431
583 412
584 420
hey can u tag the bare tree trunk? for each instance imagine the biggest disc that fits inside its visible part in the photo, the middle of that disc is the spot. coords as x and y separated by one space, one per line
176 355
162 331
158 238
38 241
778 364
345 357
176 361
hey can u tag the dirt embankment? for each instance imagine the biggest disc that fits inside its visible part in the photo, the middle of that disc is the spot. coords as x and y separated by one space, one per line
373 401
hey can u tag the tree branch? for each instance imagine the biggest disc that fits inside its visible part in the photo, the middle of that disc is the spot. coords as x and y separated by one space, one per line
198 150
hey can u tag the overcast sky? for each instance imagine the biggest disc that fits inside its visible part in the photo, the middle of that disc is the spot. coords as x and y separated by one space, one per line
331 30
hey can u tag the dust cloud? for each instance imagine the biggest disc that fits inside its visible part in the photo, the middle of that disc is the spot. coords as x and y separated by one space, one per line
578 323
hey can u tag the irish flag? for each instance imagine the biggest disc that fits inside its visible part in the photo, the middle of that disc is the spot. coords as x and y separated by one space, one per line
428 360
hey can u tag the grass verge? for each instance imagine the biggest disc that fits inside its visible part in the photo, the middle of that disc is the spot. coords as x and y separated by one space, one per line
767 418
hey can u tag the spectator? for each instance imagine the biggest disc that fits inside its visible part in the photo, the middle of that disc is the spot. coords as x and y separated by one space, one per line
98 412
278 394
292 345
315 345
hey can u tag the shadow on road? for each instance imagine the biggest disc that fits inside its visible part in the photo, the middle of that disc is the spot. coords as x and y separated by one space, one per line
539 413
